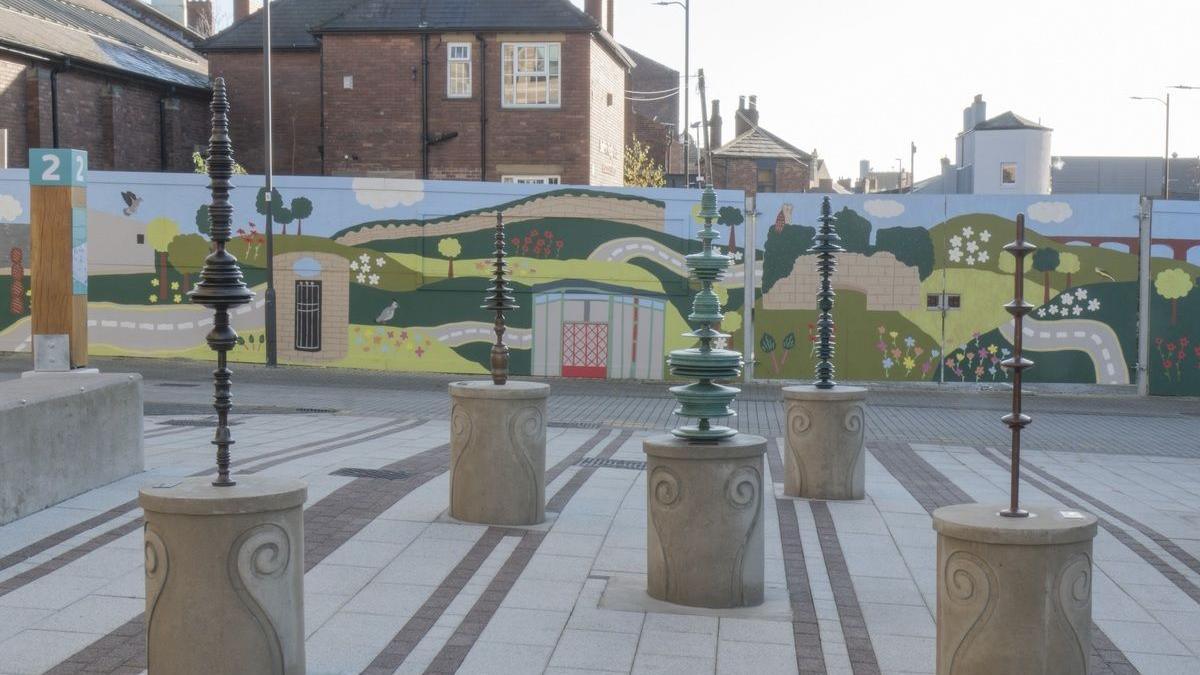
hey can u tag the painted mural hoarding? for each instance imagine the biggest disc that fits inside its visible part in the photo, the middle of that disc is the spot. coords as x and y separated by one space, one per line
389 274
1174 359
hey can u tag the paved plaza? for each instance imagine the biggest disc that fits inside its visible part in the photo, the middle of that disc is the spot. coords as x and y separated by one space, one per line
394 586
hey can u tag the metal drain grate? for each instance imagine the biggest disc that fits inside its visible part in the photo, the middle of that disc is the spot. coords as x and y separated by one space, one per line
383 474
613 463
574 425
206 422
175 384
316 410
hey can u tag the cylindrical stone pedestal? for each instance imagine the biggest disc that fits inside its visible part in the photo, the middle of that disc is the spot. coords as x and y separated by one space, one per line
825 432
498 452
704 530
1014 595
225 576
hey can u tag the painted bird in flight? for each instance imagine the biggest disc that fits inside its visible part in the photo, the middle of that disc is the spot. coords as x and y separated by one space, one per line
387 313
1104 274
132 202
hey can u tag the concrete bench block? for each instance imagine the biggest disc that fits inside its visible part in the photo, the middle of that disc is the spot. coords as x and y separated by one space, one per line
64 434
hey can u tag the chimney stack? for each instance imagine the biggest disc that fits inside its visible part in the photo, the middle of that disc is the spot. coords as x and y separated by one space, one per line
241 9
601 11
200 17
742 118
714 126
753 110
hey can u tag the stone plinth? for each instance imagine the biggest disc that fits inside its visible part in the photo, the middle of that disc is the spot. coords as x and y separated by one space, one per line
825 432
704 517
1014 595
62 434
225 576
498 452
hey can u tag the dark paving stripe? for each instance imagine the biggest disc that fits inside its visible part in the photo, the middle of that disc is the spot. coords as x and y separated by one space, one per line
451 655
810 656
1154 535
932 489
387 430
65 558
50 541
854 627
1175 576
159 433
415 629
328 524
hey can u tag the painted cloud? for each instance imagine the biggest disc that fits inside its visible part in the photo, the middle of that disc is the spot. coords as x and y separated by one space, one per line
1050 212
883 208
386 193
10 208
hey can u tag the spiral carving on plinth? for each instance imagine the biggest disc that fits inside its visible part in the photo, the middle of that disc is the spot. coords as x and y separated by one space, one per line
970 583
664 485
705 399
261 555
158 568
526 433
799 419
1073 599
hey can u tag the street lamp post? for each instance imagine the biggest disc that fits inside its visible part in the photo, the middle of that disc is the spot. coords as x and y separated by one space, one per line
687 73
1167 147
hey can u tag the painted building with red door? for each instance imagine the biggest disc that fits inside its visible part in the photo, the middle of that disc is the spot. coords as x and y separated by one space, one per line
594 332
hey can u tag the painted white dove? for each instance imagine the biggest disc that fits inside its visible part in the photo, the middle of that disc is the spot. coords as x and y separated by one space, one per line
387 313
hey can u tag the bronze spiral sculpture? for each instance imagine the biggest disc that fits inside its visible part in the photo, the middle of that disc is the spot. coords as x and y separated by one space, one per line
499 300
1017 363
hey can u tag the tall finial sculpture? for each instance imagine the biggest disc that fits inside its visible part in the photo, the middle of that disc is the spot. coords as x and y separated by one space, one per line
499 300
827 247
221 287
1017 363
706 399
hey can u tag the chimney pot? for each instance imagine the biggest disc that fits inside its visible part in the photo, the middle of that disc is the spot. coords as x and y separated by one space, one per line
241 9
714 126
754 103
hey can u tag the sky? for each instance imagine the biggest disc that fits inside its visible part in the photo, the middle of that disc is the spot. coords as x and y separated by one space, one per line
862 79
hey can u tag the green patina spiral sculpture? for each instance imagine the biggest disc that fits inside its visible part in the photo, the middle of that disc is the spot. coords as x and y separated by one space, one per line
705 398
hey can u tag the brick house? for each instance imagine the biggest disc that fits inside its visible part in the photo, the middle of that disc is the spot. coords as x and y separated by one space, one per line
652 113
114 78
529 91
757 160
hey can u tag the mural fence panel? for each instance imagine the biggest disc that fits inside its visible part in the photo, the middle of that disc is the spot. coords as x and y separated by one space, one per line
389 274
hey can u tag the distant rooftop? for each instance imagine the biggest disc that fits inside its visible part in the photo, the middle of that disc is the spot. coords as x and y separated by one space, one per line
1008 120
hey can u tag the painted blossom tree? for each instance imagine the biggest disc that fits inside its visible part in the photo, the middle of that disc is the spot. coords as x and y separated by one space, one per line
159 233
186 254
450 249
1174 284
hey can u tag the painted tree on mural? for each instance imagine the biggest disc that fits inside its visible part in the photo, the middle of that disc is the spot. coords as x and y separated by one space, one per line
450 249
1045 260
1068 264
159 233
302 207
731 216
203 222
281 214
854 230
1174 284
186 254
911 245
784 245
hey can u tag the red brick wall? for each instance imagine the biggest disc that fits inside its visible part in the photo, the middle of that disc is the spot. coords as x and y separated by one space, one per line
114 119
742 174
607 118
295 81
651 133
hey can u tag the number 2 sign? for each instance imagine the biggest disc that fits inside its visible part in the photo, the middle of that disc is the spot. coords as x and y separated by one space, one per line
58 166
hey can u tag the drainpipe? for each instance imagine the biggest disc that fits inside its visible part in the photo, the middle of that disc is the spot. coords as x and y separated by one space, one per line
66 64
483 119
425 106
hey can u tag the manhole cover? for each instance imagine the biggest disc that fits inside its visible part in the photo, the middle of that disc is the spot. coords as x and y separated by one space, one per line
384 474
613 463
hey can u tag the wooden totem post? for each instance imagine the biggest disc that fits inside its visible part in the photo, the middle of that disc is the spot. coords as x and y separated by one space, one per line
58 241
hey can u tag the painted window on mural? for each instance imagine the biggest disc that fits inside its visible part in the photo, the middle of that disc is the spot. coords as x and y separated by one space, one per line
458 70
940 301
531 75
308 316
531 180
1008 173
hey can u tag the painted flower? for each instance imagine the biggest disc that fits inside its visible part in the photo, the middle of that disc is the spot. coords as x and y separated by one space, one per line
960 356
1077 310
949 363
888 363
934 354
365 258
1081 293
177 298
955 241
970 356
955 254
919 351
893 334
896 352
985 236
1158 342
1068 299
880 329
982 257
154 282
1054 310
1093 305
926 367
1005 351
992 349
909 341
380 261
174 285
909 363
970 260
972 247
361 278
1183 341
374 279
153 298
354 265
1170 346
419 352
992 370
979 371
1168 363
1041 312
968 232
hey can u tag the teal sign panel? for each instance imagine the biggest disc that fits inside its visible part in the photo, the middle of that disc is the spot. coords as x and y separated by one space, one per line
58 166
79 268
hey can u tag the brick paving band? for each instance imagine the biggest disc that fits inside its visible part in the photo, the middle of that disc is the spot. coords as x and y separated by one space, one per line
52 540
854 627
417 626
451 655
810 657
1173 575
328 524
1157 537
933 489
334 444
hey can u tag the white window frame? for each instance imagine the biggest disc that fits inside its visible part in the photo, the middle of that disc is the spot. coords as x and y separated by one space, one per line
552 72
451 59
1016 176
522 179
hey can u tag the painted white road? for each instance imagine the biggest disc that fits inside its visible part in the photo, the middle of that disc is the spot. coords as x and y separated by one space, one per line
1095 339
628 248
